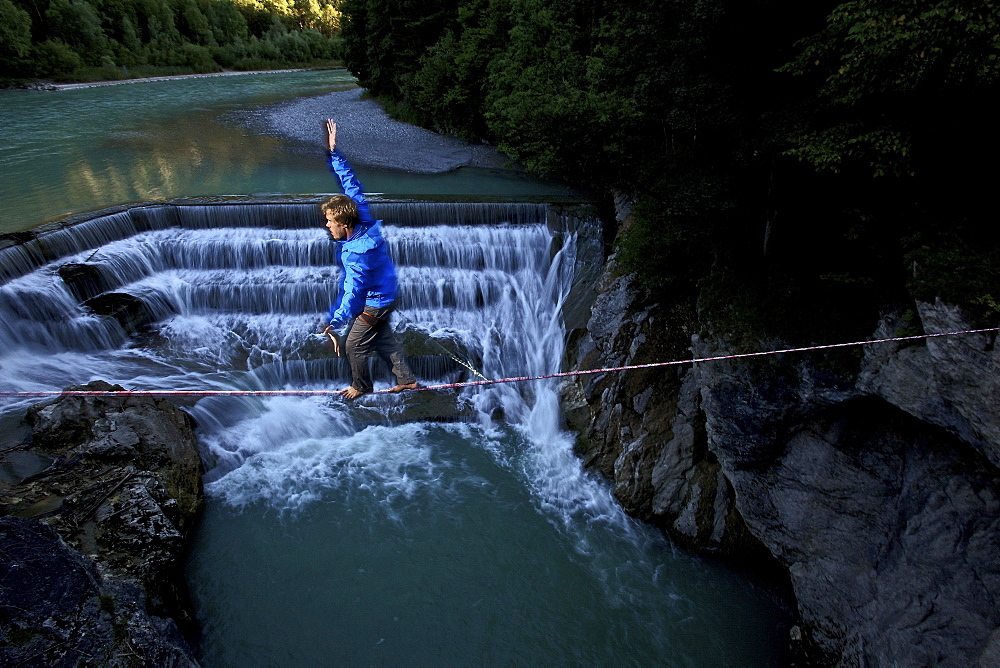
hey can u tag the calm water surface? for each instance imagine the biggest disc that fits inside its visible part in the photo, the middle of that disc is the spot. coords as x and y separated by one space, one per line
83 149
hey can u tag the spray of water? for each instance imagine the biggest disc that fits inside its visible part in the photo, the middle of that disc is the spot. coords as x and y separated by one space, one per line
234 302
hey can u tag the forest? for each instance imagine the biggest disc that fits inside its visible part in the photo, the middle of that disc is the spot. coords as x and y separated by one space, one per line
791 166
795 167
74 40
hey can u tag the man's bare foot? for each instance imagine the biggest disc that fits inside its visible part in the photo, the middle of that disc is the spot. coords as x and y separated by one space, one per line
408 386
351 393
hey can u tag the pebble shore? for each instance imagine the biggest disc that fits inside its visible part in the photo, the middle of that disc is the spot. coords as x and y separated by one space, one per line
367 136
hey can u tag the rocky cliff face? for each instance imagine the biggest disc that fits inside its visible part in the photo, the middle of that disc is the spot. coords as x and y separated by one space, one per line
58 609
870 475
99 502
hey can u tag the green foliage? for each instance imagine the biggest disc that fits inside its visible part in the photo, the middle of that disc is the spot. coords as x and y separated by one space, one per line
107 604
958 266
15 33
77 24
884 150
194 57
74 39
19 637
385 39
896 47
552 103
665 246
56 59
903 66
447 90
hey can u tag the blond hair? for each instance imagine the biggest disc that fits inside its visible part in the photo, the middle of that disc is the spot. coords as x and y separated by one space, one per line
343 209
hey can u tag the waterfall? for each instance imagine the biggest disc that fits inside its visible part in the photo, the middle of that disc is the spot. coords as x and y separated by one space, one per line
223 296
422 527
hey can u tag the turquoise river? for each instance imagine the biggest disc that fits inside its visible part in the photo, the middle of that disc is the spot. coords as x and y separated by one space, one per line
358 534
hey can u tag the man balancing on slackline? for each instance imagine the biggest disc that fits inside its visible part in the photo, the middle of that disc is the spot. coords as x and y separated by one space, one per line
367 285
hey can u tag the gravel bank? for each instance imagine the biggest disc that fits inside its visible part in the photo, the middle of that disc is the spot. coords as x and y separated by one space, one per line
366 135
118 82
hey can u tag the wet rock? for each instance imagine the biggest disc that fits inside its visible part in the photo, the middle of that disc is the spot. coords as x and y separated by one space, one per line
119 479
36 85
130 311
58 609
421 406
890 531
873 482
85 281
645 429
951 382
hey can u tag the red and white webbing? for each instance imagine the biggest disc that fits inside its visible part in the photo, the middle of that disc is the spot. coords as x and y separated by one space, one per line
472 383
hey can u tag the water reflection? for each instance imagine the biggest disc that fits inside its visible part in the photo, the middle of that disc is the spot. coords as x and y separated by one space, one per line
190 155
89 148
84 149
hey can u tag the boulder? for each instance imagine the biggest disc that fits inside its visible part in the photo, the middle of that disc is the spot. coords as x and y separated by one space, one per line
890 531
119 479
58 609
131 312
84 280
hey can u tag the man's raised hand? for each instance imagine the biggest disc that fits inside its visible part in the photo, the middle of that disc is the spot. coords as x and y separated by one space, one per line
331 133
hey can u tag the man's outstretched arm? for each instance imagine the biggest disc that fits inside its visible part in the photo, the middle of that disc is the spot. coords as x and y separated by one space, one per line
339 166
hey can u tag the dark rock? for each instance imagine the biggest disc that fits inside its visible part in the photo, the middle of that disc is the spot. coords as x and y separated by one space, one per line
645 429
85 281
38 85
872 481
131 312
890 531
952 382
57 609
122 486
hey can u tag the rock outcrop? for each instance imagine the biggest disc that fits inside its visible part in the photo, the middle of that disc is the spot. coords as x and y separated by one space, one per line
58 609
871 477
107 489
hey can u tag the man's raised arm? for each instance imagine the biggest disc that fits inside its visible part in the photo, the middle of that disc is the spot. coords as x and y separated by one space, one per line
348 182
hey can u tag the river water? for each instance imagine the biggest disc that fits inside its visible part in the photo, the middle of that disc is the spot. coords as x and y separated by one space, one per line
378 532
84 149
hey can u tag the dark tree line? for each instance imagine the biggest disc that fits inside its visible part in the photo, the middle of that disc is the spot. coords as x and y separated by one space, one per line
67 39
786 157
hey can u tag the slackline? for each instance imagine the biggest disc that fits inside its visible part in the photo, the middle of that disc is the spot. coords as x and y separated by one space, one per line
472 383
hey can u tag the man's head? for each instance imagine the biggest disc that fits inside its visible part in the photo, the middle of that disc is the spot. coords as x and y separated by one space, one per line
341 214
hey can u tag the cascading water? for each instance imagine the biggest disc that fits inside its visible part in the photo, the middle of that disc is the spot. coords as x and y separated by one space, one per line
367 533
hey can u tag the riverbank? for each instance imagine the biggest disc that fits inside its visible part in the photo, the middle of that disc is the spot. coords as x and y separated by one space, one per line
367 134
172 77
369 137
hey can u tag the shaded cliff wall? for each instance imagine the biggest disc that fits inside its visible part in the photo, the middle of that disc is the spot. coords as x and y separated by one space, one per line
870 474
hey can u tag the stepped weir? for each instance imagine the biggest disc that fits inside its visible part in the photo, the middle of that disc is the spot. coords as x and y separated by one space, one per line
231 296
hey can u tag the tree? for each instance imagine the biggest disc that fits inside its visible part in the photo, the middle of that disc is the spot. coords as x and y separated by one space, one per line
889 74
55 58
77 23
15 34
448 90
195 25
385 39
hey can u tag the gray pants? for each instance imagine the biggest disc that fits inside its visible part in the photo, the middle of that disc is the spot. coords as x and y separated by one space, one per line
368 332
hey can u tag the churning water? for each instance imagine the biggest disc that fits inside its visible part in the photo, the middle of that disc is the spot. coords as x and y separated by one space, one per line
429 528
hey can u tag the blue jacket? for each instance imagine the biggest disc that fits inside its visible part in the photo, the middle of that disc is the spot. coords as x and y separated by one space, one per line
367 274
